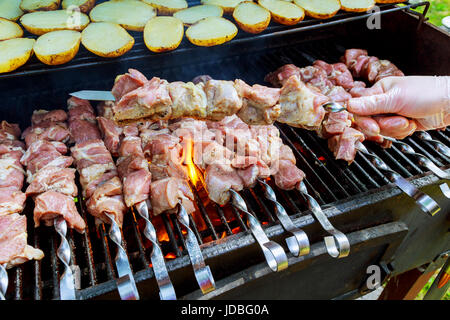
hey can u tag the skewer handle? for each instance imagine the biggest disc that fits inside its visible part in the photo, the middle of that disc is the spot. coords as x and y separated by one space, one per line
275 256
337 244
202 272
426 162
66 283
298 243
166 290
125 284
424 201
3 281
438 146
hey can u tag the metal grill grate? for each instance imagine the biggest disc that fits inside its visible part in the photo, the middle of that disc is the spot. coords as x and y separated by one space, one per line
327 180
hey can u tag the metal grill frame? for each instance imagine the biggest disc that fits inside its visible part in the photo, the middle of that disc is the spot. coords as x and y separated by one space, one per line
345 207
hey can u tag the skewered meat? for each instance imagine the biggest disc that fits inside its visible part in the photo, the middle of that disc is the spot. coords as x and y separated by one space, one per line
52 183
259 103
9 131
369 68
89 153
107 198
51 204
111 133
53 132
301 106
14 249
98 174
343 145
45 118
11 201
53 179
127 82
168 192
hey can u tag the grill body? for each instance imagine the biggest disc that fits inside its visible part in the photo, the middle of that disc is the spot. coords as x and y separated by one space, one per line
384 226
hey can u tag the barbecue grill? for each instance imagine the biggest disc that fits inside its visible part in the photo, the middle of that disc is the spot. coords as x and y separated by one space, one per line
385 227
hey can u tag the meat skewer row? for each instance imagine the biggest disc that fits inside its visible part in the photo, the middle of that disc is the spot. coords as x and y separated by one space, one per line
14 249
234 156
164 149
171 193
52 184
102 188
133 170
343 140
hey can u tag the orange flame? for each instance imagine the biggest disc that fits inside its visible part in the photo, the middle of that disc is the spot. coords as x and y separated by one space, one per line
192 172
170 255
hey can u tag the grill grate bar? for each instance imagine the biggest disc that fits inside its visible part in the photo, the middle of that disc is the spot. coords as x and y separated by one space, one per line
106 251
54 265
37 271
423 151
382 153
268 213
88 250
203 212
369 164
169 230
139 239
345 171
223 219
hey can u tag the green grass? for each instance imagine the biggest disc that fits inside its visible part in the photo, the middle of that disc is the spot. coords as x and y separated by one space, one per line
423 292
438 10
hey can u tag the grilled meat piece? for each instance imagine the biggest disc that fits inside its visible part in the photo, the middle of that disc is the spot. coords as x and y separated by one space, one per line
343 145
14 249
301 106
51 204
107 198
52 178
128 82
11 201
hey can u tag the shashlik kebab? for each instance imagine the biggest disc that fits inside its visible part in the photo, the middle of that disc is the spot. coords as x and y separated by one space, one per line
50 177
133 169
101 186
299 102
52 184
14 249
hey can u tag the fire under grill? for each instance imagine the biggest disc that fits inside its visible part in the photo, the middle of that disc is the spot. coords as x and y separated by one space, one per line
351 196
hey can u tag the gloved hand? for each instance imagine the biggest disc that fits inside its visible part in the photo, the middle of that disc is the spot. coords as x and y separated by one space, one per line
401 105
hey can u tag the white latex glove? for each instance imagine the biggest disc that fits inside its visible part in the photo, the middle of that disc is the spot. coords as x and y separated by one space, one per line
402 105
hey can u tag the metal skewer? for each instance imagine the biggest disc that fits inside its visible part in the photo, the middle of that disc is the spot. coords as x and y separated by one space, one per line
275 256
298 243
337 244
66 283
425 202
3 281
202 272
424 161
333 107
166 290
125 284
438 146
